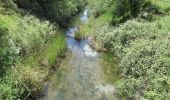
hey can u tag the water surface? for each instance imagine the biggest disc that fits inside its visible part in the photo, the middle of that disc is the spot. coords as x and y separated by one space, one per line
81 75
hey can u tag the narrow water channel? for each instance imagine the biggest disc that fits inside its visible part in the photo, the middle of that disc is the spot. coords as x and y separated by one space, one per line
82 74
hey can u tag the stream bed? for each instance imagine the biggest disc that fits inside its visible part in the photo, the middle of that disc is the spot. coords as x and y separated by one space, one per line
84 74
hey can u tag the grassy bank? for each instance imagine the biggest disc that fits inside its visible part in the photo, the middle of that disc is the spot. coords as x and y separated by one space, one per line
95 21
50 53
30 47
87 29
142 50
30 74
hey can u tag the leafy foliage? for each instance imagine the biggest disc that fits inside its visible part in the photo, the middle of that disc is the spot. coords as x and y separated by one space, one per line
20 82
59 11
21 37
142 50
129 6
126 9
97 7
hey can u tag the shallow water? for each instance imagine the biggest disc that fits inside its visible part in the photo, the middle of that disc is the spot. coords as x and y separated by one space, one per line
81 75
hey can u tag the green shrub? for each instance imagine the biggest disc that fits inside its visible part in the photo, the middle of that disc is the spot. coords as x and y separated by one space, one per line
150 11
142 49
141 63
9 7
21 36
97 7
28 33
59 11
21 82
126 9
8 55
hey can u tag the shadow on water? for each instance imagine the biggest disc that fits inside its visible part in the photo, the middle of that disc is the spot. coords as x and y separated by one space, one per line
81 75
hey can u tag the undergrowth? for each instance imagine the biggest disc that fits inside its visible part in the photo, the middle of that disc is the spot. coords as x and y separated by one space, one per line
142 50
29 49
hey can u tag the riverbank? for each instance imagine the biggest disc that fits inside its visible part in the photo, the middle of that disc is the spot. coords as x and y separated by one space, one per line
89 30
30 48
141 47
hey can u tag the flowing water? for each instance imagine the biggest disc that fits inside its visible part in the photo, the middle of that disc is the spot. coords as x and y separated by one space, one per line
81 75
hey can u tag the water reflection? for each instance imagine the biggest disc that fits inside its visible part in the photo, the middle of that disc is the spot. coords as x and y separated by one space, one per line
79 47
80 76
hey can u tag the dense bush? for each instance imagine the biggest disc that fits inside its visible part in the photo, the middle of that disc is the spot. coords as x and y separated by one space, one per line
133 7
8 56
27 33
142 50
59 11
126 9
21 82
97 7
9 4
21 37
145 68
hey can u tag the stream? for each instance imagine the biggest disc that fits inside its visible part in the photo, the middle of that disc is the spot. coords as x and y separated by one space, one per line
84 73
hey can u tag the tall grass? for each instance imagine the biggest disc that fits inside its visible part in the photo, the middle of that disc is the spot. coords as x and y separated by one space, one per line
29 47
93 24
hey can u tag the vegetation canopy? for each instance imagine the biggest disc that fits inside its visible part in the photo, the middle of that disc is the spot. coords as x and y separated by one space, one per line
134 36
